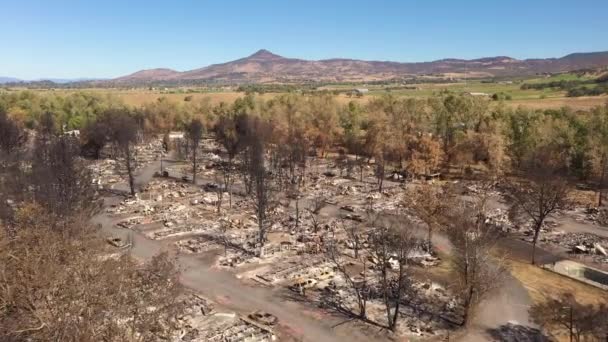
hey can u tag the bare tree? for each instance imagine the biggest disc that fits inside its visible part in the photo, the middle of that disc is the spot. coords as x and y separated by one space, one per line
224 227
566 316
478 272
359 286
194 134
220 190
380 170
542 192
229 132
58 286
314 209
124 135
262 185
295 193
391 246
60 180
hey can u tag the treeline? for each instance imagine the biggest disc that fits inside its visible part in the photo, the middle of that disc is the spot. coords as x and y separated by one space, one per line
415 135
574 88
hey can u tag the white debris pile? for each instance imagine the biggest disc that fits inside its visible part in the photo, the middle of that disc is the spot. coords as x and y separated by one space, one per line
597 215
581 243
202 323
105 173
499 218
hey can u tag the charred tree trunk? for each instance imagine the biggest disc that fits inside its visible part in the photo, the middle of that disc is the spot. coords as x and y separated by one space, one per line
537 228
601 182
129 166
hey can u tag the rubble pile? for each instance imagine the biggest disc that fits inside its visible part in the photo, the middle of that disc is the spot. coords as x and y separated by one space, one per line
581 243
499 218
295 268
597 215
108 170
105 173
201 323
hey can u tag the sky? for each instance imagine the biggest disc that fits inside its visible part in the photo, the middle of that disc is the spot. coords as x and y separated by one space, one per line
111 38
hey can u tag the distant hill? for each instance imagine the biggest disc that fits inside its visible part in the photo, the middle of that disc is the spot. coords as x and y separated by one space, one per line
4 80
267 67
49 81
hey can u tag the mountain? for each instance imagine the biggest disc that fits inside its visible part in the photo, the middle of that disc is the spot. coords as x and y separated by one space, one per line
267 67
8 80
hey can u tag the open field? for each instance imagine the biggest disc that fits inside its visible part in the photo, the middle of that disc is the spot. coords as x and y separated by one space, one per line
139 97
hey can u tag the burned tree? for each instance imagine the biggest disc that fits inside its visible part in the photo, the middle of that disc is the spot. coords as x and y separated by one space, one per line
314 209
478 272
391 245
12 136
541 192
428 202
13 139
220 189
96 135
229 132
262 185
194 134
359 285
380 170
62 291
60 180
124 136
566 316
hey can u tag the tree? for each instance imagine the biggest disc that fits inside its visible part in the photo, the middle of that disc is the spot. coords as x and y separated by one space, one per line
599 145
314 209
59 286
380 170
194 134
97 134
263 191
425 155
13 139
392 244
360 287
124 135
566 316
477 271
224 228
522 134
428 202
60 180
229 133
12 136
220 190
541 192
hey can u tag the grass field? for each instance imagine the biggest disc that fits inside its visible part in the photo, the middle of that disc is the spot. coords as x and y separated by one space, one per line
542 284
535 99
555 101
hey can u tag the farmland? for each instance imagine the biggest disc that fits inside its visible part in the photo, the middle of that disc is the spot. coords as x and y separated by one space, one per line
510 92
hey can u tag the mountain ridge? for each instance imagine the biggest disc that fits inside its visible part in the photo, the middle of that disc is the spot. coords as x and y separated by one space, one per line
264 66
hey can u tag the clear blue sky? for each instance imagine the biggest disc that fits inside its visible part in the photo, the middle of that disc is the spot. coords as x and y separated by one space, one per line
109 38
